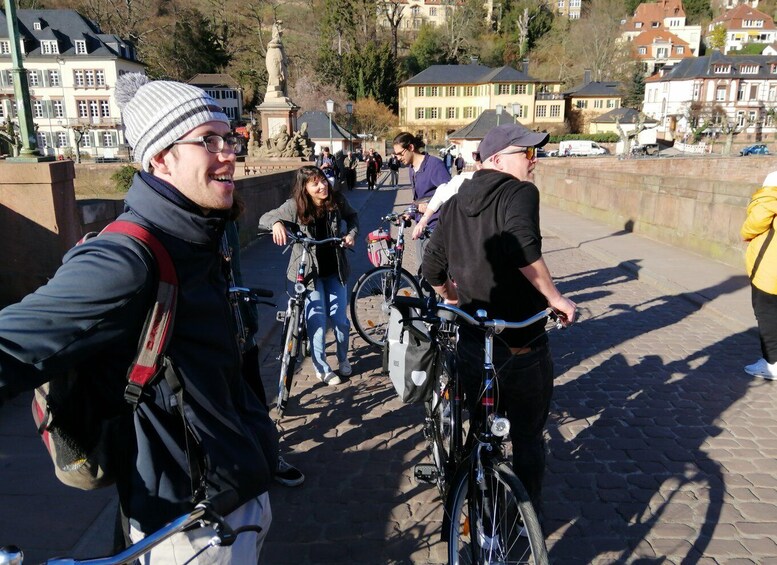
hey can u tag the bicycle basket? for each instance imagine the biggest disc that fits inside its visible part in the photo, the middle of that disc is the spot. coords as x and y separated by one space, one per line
378 244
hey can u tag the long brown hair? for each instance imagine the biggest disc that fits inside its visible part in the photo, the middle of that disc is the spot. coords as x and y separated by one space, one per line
307 211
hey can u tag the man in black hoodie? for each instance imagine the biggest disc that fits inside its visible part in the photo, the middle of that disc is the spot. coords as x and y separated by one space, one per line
488 240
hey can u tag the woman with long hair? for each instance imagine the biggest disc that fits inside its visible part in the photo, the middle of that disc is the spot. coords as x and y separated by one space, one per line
319 213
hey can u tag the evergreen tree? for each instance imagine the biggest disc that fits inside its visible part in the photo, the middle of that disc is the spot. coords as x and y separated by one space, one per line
635 89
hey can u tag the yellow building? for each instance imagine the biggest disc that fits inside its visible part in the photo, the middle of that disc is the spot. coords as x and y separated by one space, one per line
589 101
444 98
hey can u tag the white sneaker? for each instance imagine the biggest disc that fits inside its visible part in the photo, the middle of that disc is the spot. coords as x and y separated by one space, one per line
345 369
763 369
329 378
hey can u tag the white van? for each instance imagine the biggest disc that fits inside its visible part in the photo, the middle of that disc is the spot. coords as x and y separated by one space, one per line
580 147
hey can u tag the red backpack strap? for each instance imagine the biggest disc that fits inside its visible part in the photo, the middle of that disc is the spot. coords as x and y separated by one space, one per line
159 321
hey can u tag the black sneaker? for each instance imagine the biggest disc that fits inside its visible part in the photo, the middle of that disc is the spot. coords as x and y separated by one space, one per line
288 475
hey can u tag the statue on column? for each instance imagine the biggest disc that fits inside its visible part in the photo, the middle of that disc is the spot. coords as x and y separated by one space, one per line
277 68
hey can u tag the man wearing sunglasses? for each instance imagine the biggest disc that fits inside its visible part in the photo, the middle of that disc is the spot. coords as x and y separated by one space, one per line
488 241
174 448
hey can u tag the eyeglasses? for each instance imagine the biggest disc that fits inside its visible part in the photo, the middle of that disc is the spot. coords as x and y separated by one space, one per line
400 153
214 143
531 152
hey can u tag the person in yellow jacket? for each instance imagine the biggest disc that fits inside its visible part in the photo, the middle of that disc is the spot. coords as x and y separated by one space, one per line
761 260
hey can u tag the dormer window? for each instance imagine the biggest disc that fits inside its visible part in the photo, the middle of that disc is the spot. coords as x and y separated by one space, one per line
80 46
655 24
748 69
36 25
49 47
638 25
774 68
642 50
722 69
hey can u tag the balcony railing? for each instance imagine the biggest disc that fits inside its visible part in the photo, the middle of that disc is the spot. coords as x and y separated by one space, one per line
549 96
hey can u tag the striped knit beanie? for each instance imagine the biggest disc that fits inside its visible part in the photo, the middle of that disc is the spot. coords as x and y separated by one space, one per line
158 112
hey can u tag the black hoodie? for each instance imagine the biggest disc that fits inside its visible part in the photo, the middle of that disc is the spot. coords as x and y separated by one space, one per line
487 232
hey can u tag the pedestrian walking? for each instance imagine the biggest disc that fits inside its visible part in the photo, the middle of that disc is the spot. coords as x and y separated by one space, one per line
761 262
351 163
93 311
489 243
373 166
459 164
318 211
393 165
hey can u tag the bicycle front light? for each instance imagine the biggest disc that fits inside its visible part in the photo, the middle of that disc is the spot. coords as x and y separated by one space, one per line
299 288
500 426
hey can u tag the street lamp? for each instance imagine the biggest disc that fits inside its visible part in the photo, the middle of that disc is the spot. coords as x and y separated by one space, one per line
349 111
516 109
330 107
499 109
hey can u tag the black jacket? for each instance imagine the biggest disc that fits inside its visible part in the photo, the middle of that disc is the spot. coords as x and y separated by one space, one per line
92 312
486 233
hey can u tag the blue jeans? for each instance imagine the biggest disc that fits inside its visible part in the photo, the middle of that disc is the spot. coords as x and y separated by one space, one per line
327 302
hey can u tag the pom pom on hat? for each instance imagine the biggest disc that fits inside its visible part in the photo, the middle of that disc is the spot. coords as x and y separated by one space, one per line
157 113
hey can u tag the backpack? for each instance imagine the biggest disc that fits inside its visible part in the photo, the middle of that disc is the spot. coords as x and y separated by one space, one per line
79 439
409 356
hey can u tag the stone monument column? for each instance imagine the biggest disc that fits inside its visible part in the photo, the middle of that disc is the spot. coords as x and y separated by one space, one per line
277 111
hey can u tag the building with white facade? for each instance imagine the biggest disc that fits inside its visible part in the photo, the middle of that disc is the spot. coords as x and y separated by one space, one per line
416 13
568 8
743 88
224 89
71 70
744 25
666 16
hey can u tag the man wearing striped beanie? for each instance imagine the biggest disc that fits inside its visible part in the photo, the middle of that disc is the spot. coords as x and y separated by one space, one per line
227 448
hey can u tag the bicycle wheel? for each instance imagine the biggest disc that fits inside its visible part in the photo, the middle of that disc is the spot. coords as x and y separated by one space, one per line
289 353
496 523
371 298
444 429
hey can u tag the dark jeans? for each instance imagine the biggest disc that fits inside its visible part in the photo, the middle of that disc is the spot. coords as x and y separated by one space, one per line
765 309
372 176
350 178
523 392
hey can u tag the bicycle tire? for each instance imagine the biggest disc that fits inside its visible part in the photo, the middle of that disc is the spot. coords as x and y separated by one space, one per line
499 539
289 354
444 429
371 298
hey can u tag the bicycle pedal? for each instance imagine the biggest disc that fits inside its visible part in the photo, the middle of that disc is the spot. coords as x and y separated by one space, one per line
426 472
280 315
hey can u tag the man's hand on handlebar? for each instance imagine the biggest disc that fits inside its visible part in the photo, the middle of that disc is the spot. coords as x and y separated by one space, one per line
565 309
418 230
348 241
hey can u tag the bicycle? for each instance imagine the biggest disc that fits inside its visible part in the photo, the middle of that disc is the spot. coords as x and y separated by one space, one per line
204 514
376 289
489 517
294 334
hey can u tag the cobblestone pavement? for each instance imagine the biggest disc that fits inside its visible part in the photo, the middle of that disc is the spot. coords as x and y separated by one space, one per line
661 450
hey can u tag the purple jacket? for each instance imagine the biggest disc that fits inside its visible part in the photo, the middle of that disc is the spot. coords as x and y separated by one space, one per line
431 174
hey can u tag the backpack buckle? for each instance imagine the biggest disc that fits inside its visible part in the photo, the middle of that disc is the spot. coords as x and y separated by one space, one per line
132 393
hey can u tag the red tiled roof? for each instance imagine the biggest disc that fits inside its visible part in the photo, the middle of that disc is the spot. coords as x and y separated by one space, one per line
655 12
663 37
734 17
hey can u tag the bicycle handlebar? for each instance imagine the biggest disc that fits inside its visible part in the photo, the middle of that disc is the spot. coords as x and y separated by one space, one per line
429 306
298 237
206 511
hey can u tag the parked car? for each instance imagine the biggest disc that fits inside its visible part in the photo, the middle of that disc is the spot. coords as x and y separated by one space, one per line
755 149
645 149
580 147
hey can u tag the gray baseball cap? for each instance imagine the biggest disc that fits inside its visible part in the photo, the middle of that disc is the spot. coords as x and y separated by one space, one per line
510 135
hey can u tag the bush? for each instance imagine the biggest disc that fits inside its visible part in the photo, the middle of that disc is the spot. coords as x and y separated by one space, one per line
122 178
598 137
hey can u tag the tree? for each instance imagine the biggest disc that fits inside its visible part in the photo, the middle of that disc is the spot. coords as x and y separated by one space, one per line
371 71
524 23
697 11
634 93
717 37
191 47
631 6
392 10
700 116
464 23
426 50
373 118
